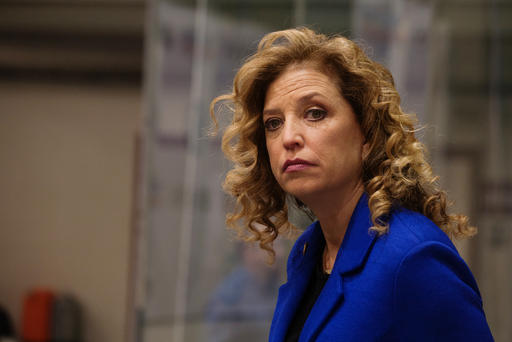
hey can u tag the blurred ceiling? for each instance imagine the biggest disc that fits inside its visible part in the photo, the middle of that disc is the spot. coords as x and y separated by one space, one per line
90 40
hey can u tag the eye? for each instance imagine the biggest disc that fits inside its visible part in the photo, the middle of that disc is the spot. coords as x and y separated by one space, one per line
315 114
272 124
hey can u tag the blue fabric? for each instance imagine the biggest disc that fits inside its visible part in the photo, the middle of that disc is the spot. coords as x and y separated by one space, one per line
407 285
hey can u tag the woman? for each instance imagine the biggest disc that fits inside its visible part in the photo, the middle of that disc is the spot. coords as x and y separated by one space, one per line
317 121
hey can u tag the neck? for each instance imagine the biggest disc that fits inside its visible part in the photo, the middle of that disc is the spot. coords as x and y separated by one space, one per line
334 213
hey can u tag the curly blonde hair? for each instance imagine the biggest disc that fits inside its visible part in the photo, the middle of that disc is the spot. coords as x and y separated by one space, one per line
395 171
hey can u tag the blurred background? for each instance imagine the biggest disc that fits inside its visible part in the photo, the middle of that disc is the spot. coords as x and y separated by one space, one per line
111 188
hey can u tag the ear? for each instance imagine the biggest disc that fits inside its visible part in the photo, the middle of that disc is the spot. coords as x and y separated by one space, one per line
366 150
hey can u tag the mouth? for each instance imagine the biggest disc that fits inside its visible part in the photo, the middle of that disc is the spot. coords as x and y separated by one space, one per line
296 165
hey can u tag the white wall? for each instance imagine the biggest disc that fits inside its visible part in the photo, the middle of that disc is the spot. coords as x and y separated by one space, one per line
66 174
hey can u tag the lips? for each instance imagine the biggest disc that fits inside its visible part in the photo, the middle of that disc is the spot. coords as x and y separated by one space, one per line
296 165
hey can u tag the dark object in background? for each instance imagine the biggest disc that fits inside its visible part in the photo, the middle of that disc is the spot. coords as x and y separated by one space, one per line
6 329
66 319
50 317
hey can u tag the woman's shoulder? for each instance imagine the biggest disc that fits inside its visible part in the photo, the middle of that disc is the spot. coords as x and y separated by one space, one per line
433 288
409 229
412 236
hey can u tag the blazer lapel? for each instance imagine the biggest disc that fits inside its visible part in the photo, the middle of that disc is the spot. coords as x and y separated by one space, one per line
328 300
288 300
300 267
351 257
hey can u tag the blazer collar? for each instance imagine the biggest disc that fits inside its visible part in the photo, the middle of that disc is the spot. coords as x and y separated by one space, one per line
353 251
301 263
358 239
351 256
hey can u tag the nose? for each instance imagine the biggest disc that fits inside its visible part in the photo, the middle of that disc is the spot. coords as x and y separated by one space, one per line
292 135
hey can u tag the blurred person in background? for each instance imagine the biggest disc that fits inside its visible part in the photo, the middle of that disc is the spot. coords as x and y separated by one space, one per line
244 298
316 122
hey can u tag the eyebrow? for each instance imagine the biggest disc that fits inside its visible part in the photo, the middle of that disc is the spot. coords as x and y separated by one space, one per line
302 99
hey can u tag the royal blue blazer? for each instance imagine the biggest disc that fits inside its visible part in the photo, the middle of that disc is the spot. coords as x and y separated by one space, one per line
407 285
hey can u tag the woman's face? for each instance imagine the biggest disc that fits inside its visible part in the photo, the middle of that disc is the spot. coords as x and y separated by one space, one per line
314 142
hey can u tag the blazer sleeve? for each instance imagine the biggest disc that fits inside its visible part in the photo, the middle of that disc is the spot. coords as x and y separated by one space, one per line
436 297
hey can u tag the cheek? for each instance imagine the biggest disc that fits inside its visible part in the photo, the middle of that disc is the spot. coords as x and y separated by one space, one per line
344 149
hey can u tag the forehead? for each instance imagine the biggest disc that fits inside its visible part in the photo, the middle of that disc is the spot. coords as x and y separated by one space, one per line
300 78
